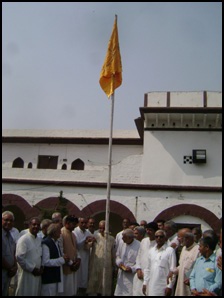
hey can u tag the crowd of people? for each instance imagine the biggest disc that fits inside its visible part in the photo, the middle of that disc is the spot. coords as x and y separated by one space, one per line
66 257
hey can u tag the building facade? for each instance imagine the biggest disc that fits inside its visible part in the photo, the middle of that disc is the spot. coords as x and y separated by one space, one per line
170 167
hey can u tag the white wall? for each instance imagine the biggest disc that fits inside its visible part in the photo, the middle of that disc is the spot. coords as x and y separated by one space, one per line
126 162
163 158
149 203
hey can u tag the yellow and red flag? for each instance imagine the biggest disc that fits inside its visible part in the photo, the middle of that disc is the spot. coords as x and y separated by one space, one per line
111 73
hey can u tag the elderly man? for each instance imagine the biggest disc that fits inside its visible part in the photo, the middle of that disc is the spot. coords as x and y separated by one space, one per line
161 260
126 259
145 246
125 225
52 261
83 237
188 256
28 255
170 228
9 265
139 233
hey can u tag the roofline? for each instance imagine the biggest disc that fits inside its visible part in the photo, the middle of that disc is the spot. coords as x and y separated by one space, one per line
67 140
115 185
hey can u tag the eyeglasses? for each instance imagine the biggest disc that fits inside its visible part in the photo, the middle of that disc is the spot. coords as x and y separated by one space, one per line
159 236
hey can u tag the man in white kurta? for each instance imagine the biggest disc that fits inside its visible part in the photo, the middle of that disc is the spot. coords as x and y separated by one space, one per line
145 246
187 259
126 260
161 260
28 255
83 236
118 239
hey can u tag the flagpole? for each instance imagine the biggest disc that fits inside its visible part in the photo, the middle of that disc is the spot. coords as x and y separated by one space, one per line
110 79
107 260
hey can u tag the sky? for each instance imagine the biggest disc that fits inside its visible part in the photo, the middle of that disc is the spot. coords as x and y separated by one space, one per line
53 52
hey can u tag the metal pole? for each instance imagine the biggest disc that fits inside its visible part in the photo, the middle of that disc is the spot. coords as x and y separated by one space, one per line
106 232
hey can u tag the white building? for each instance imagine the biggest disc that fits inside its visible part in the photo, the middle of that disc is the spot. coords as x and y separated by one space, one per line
169 168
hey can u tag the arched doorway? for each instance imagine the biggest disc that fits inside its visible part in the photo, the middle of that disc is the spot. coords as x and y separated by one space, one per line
117 213
194 210
52 204
21 209
115 222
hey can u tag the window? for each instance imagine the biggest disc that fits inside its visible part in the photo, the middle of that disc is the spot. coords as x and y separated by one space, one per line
18 163
64 167
47 162
77 164
30 165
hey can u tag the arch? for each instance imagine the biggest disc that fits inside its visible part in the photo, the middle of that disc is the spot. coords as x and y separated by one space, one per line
64 166
118 212
77 164
20 217
194 210
30 165
115 207
15 202
18 163
52 204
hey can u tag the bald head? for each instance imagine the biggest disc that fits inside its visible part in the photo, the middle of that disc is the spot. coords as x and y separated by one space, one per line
181 233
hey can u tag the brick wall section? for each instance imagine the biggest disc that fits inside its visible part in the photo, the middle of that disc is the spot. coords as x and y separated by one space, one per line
193 210
11 199
115 207
52 203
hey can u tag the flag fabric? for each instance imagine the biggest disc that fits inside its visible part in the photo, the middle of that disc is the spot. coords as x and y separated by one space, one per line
111 73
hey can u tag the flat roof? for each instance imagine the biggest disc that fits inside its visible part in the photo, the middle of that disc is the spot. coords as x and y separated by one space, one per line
120 137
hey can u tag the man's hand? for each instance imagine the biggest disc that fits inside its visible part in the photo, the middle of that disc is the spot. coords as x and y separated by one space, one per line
12 272
37 272
75 265
219 262
187 281
194 292
144 289
140 274
168 292
206 292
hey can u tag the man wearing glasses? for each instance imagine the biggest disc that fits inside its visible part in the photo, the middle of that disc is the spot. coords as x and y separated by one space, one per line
161 259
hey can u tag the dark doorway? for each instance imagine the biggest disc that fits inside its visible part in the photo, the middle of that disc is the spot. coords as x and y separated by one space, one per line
115 222
47 162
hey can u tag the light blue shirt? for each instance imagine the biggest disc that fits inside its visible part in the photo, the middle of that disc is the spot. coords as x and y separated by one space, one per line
206 275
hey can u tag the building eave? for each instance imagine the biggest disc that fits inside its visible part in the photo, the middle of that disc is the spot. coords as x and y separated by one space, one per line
154 187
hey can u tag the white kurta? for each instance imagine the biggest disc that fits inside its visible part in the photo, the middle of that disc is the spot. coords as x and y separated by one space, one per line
118 240
52 289
84 252
188 257
28 255
141 263
159 263
126 254
173 240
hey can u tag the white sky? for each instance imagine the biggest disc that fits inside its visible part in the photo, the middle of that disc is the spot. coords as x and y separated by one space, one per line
53 54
